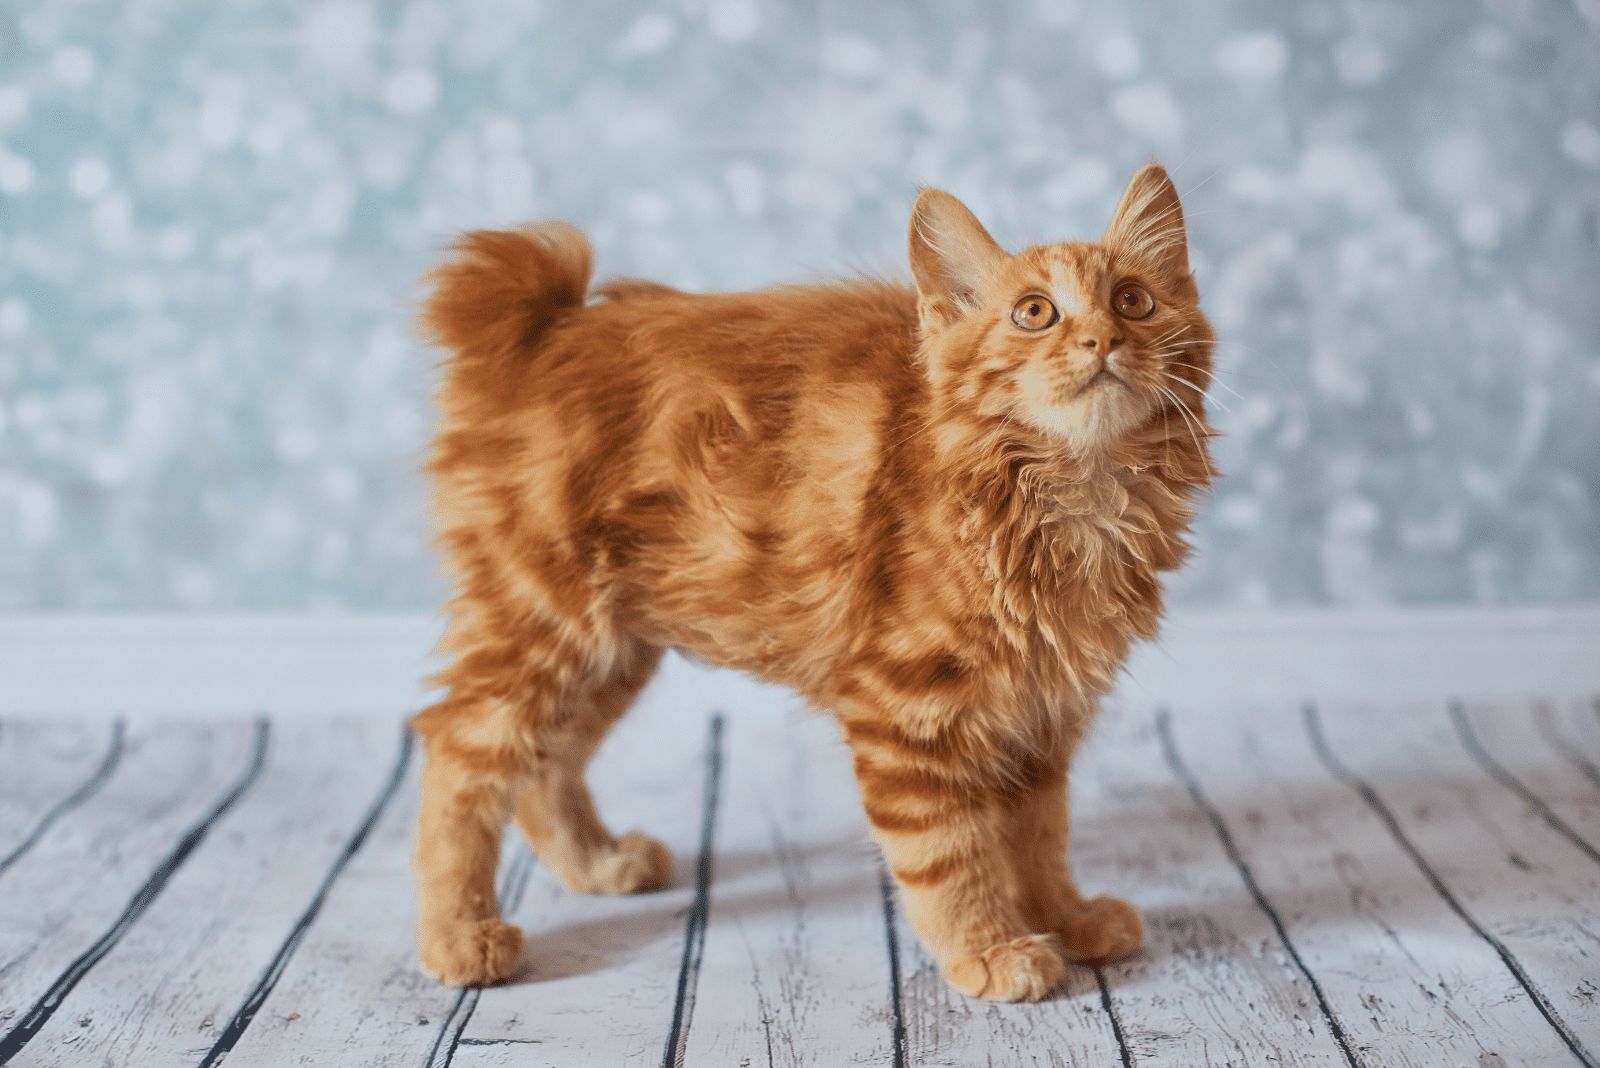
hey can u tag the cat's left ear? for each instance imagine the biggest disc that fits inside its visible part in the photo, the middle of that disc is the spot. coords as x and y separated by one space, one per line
952 255
1149 221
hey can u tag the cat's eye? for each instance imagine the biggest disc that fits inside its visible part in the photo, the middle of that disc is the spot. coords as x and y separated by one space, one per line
1034 313
1133 301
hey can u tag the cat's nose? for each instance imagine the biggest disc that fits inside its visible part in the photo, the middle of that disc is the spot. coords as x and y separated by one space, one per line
1101 341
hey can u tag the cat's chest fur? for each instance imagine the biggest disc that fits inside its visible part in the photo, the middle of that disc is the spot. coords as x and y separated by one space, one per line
1052 571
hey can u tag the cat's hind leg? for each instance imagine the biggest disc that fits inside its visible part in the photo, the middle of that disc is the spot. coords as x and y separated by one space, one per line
470 764
522 714
553 806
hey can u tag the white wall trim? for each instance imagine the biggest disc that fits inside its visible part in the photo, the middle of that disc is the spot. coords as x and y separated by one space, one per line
376 664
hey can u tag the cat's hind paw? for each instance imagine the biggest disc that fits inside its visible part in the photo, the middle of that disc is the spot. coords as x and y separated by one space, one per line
639 863
1023 969
472 953
1101 930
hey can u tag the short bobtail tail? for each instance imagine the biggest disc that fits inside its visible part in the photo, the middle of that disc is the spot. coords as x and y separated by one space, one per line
501 288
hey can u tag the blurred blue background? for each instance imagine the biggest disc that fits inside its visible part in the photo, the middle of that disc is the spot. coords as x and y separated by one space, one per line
212 218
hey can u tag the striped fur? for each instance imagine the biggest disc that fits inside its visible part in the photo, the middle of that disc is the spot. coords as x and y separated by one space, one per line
941 527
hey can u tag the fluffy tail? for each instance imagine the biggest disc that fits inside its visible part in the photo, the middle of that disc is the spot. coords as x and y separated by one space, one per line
501 288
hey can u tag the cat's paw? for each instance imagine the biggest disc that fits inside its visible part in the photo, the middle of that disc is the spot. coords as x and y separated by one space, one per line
1023 969
638 863
472 953
1101 930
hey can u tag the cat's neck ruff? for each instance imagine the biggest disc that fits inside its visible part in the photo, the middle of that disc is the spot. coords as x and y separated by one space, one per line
1069 542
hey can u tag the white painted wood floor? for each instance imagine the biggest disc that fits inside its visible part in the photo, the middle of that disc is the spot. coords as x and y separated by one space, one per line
1346 885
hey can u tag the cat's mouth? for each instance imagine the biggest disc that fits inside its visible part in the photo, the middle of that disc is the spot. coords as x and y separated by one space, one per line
1103 377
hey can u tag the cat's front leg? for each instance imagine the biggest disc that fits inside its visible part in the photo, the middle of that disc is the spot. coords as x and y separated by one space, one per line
1092 930
943 826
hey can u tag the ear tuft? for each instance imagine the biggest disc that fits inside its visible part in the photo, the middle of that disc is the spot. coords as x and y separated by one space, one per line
952 255
1149 220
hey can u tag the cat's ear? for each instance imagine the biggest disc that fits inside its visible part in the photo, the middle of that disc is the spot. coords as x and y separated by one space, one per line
1149 221
951 257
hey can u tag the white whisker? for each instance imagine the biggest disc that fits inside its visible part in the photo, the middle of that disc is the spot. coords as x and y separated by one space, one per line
1184 381
1210 375
1163 339
1244 353
1195 430
1198 185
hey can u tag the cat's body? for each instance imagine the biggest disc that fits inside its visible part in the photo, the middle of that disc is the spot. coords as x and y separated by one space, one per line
835 487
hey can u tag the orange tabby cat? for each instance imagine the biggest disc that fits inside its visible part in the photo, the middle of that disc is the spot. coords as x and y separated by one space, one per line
938 512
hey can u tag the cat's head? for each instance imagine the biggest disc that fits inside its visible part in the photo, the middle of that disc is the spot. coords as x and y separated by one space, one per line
1083 341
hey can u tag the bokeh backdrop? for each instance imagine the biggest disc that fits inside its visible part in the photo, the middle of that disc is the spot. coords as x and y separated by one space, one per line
213 215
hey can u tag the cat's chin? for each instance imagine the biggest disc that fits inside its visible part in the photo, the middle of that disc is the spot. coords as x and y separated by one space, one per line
1098 417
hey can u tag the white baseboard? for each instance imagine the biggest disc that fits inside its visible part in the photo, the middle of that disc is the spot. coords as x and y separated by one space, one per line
205 665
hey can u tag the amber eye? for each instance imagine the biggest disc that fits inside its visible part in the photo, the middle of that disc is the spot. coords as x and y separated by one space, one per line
1133 301
1034 313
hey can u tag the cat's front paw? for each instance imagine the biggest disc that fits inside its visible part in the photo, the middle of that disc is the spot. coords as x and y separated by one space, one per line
1023 969
639 863
470 953
1101 930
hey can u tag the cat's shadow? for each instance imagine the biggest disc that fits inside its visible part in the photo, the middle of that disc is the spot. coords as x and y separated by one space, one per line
1192 922
655 923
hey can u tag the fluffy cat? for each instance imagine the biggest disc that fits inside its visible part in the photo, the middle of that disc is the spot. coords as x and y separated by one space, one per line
939 512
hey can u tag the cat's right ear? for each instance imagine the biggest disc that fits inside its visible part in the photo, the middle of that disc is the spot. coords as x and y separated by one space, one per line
951 257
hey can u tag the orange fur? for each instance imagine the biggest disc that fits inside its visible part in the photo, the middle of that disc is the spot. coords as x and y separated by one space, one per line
941 526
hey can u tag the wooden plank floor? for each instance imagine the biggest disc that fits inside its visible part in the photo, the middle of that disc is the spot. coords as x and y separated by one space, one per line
1322 885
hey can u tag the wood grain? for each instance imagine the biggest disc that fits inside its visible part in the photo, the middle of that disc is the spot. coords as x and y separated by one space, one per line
1572 729
1505 740
1215 983
1495 861
250 880
1426 870
1364 920
72 899
796 949
352 994
48 769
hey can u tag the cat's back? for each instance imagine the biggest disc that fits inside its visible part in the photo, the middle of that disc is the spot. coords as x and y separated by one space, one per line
759 342
541 366
743 495
701 463
794 380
